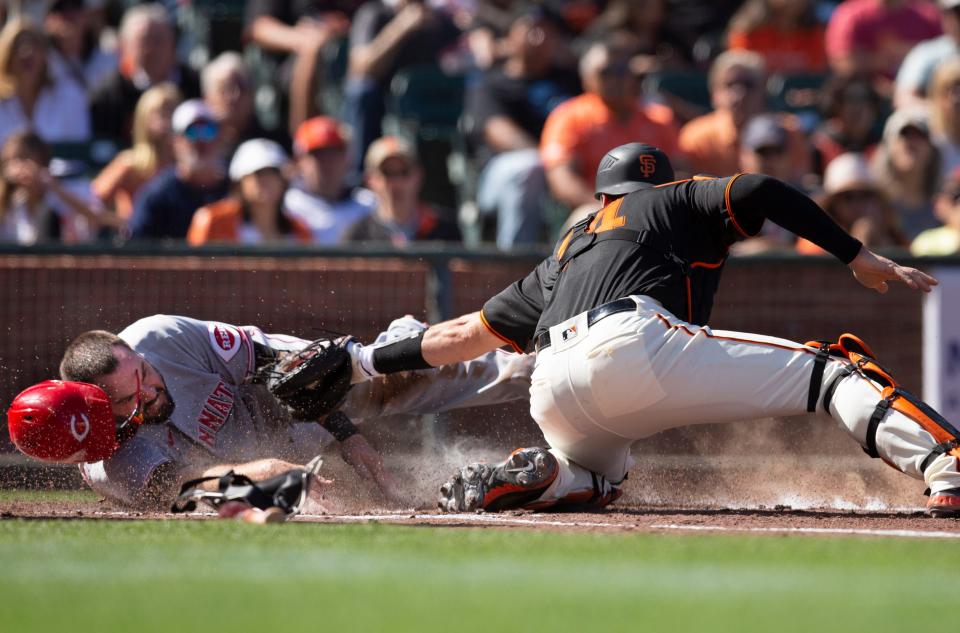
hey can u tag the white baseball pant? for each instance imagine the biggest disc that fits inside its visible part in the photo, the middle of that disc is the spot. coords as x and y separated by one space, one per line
633 374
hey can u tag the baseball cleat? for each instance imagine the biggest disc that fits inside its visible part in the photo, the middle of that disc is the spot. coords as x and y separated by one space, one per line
944 505
513 483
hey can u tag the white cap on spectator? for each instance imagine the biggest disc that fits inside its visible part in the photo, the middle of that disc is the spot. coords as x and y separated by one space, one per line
848 171
916 117
188 113
254 155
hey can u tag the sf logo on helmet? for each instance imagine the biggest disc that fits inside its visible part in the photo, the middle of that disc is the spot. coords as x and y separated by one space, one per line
648 165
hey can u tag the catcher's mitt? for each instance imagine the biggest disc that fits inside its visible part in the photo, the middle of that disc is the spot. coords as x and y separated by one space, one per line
313 381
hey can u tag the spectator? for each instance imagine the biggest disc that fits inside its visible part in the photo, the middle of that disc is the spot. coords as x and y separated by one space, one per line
254 212
945 114
34 206
77 52
943 240
712 141
487 32
855 200
851 110
764 149
580 131
320 196
907 166
394 175
297 32
698 26
56 108
152 152
147 57
384 38
872 37
166 204
643 21
786 32
228 90
916 71
508 106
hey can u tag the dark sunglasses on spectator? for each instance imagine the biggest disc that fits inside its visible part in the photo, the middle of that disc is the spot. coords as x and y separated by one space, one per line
402 172
615 69
915 132
201 132
770 151
746 83
856 195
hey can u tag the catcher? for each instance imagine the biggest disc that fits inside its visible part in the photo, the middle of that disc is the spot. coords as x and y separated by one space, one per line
618 316
171 399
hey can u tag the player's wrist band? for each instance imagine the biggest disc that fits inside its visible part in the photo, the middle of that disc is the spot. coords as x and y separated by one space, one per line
340 426
403 355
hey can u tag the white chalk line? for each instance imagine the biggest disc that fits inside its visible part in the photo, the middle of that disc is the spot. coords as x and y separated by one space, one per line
491 519
444 519
498 520
810 530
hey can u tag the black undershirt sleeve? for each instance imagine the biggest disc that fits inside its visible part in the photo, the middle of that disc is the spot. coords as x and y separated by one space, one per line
753 196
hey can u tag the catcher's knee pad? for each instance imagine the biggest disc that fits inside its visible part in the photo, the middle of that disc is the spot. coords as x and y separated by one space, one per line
846 345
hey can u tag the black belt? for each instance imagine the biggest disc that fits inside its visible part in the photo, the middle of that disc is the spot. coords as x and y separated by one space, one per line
600 312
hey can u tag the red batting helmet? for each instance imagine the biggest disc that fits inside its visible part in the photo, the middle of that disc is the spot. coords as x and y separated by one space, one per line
61 421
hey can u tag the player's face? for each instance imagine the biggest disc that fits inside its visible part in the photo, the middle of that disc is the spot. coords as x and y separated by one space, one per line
121 387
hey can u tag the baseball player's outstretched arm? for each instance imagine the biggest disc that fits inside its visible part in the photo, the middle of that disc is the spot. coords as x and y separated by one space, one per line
874 271
454 341
758 197
458 340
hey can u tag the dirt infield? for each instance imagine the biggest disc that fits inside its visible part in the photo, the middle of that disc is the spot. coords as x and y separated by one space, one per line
779 521
840 492
670 495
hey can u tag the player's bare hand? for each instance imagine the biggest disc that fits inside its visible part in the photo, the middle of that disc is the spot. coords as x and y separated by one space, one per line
874 271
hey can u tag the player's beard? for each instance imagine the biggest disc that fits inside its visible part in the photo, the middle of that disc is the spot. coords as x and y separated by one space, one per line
159 409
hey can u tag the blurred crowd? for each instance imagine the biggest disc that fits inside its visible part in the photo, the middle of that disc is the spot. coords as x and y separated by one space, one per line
466 121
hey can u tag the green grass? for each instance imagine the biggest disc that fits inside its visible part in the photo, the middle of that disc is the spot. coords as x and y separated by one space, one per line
137 576
7 495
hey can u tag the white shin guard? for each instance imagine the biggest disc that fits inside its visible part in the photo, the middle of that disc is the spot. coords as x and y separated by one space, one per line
900 441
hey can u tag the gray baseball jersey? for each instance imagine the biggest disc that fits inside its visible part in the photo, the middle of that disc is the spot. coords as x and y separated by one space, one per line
221 417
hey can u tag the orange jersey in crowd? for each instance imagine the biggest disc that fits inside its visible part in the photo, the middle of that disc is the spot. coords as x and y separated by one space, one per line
797 51
222 221
583 129
712 144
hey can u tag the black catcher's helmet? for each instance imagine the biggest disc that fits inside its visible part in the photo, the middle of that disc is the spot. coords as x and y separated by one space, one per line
632 167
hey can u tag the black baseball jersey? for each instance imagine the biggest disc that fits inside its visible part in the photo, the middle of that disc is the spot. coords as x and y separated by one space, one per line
668 242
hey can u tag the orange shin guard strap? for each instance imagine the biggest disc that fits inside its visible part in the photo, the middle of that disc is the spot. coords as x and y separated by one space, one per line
946 436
